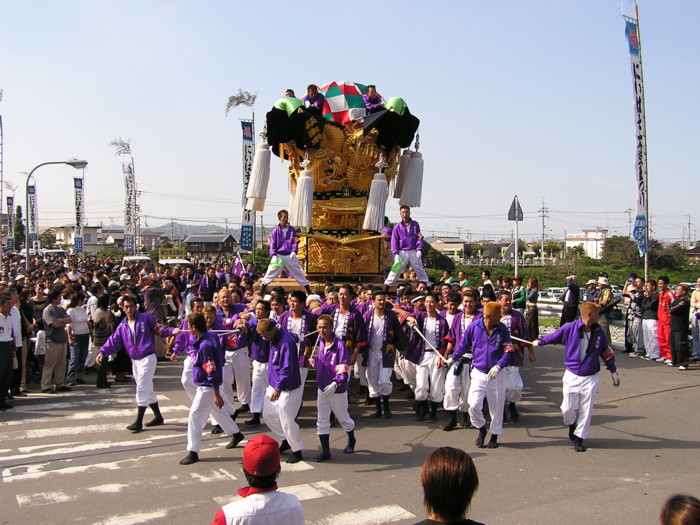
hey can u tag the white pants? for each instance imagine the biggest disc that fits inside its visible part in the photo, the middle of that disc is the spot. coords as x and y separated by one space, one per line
378 377
407 370
695 333
651 340
236 366
457 389
303 373
260 383
289 263
338 404
361 372
279 416
514 384
579 394
187 378
202 406
430 380
408 258
92 354
495 392
637 335
143 371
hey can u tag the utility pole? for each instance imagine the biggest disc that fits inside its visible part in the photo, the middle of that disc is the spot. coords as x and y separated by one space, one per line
172 230
689 241
543 214
629 221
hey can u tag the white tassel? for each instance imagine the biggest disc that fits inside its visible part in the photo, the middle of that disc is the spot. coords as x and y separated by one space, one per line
259 178
401 174
376 203
254 204
413 183
302 206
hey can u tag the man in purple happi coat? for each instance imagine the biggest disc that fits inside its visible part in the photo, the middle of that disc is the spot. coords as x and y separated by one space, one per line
407 247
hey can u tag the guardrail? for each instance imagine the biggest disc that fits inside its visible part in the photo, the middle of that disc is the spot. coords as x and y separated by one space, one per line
552 308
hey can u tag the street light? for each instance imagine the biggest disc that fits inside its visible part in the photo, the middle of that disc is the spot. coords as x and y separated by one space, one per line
77 164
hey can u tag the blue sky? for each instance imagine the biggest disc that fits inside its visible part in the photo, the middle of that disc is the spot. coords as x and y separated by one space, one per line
532 98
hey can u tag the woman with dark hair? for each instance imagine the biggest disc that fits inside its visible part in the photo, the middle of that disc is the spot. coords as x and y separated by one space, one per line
449 481
78 339
531 314
680 509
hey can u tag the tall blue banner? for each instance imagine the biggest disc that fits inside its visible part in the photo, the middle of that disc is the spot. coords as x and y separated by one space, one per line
247 241
10 224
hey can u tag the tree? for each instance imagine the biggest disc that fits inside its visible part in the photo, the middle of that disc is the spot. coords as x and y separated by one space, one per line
47 239
261 256
619 251
19 227
668 257
436 260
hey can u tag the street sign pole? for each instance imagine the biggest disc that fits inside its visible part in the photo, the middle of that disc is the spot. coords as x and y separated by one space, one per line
515 213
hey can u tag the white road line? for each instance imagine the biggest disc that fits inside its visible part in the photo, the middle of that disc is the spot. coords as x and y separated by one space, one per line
296 467
306 491
369 516
92 414
94 400
39 471
82 430
48 498
100 445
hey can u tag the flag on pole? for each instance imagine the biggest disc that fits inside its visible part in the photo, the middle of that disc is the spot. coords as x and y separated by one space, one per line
640 222
248 223
129 207
33 216
10 223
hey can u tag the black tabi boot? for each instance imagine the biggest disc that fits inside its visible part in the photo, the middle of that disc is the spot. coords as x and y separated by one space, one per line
235 440
350 445
578 444
284 446
572 429
432 415
137 425
296 457
422 411
157 416
514 415
325 448
482 436
254 421
493 442
452 423
191 457
387 410
378 406
333 420
466 421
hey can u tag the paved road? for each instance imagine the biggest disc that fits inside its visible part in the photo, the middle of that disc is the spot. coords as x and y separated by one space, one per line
68 459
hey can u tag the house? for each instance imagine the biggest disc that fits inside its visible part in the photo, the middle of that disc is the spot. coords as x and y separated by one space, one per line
210 245
693 254
150 239
591 241
112 237
453 247
65 238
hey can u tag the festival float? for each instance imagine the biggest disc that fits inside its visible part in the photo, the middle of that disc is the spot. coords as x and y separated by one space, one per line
343 164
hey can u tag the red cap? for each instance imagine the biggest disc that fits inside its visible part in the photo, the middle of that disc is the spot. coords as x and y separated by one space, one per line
261 456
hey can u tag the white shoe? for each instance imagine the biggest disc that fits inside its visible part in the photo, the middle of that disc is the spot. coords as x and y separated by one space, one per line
661 360
670 363
682 367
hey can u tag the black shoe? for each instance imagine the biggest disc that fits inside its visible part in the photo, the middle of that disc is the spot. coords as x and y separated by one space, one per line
350 445
493 442
5 406
387 409
514 415
296 457
135 427
378 405
63 388
432 415
452 423
243 408
216 429
155 422
163 359
48 391
572 428
422 411
235 440
255 421
18 393
79 381
103 385
284 446
578 445
325 454
482 436
466 421
190 458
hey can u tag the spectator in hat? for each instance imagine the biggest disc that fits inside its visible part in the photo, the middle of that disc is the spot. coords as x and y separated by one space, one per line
262 501
605 304
591 293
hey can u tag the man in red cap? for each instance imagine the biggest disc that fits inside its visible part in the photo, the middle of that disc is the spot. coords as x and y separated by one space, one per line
262 502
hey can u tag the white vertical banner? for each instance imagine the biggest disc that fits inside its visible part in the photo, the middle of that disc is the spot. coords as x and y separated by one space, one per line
79 215
11 223
247 241
640 222
33 217
129 207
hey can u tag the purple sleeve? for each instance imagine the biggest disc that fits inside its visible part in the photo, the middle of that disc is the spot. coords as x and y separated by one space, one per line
465 344
115 343
274 241
419 240
395 239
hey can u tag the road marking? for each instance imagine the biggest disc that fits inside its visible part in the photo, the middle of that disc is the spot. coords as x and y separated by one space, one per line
92 414
48 498
296 467
370 516
306 491
60 405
